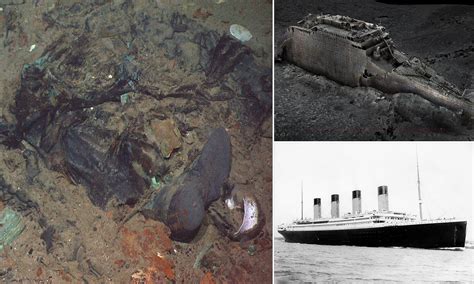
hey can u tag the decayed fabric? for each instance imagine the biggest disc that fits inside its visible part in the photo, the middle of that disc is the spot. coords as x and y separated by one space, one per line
68 108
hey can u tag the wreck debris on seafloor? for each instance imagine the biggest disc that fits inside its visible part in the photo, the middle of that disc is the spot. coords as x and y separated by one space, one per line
237 215
182 204
240 33
11 227
119 104
134 112
356 53
251 219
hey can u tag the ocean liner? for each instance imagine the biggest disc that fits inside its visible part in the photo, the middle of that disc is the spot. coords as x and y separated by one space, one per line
356 53
378 228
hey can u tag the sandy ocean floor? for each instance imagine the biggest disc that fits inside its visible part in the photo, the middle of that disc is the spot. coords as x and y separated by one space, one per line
152 43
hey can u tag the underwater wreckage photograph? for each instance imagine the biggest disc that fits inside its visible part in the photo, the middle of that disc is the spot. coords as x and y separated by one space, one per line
373 70
136 141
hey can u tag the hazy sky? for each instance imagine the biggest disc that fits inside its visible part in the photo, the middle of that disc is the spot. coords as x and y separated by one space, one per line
327 168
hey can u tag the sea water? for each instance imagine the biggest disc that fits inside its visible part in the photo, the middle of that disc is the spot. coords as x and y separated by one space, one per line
320 263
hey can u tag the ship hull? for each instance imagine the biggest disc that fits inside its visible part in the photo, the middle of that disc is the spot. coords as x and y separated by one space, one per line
433 235
339 60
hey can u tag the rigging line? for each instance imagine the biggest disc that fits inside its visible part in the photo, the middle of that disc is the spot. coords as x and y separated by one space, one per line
419 188
301 200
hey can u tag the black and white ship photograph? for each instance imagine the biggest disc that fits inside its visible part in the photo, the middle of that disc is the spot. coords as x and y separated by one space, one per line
373 212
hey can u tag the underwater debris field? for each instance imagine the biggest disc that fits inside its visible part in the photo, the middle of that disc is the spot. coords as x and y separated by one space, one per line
136 141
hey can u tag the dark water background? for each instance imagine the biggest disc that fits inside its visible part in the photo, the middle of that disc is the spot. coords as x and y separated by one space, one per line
317 263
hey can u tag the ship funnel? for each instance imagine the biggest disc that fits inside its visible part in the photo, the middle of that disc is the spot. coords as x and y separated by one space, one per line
335 206
317 208
383 197
356 202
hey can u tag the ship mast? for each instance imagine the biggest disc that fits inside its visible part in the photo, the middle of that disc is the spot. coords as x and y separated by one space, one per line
301 200
419 188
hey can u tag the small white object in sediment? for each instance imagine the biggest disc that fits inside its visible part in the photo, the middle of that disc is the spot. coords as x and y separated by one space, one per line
32 47
230 203
240 33
250 220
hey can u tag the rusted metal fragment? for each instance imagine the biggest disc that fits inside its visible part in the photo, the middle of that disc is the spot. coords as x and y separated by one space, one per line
356 53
